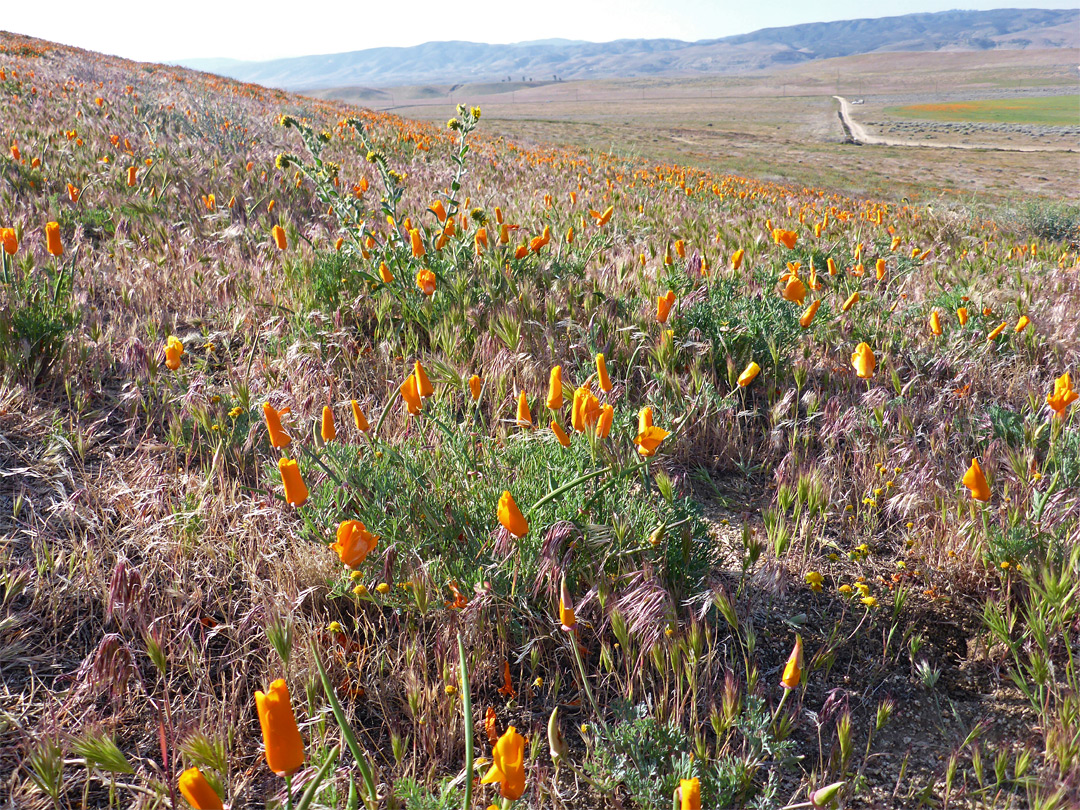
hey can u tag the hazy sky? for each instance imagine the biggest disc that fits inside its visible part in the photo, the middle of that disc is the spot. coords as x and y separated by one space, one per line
159 31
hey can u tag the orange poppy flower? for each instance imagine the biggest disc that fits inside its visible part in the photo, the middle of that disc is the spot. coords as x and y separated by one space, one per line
328 431
278 437
555 386
279 237
296 491
284 746
864 361
510 516
354 543
975 481
792 676
663 306
426 281
52 239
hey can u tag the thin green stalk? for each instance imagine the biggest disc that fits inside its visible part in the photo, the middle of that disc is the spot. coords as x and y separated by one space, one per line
346 730
386 411
466 709
585 681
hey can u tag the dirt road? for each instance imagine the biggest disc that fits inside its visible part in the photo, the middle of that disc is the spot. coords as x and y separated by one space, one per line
860 136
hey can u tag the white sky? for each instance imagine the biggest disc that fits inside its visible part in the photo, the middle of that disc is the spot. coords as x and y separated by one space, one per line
158 31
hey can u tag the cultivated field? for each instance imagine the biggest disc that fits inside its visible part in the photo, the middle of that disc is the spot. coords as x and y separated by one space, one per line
348 460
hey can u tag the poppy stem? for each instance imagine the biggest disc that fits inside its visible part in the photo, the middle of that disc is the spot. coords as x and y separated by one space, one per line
585 680
466 710
288 791
386 411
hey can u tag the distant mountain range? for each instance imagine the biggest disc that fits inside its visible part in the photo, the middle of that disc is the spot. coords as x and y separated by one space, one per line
447 62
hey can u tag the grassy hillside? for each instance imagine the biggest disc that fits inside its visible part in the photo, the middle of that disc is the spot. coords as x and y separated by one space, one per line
730 549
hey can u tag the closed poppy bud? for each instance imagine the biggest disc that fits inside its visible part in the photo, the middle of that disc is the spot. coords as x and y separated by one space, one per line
480 240
794 290
296 491
423 384
411 394
556 741
10 240
510 516
425 280
354 543
935 322
975 481
133 174
689 794
475 387
577 414
504 234
997 331
508 765
566 608
198 792
278 437
1022 324
736 259
962 315
284 747
792 676
73 192
384 273
174 350
603 424
864 361
830 263
570 236
880 268
439 210
560 434
823 798
601 373
328 431
680 248
417 243
279 237
808 314
524 418
748 375
850 302
358 417
663 306
555 393
52 239
339 242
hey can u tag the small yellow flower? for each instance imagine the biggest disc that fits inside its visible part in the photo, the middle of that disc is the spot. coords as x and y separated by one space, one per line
910 525
849 508
814 580
901 564
584 728
869 601
235 412
1005 565
889 485
538 683
451 689
360 590
862 588
844 589
383 588
355 575
878 492
335 627
896 470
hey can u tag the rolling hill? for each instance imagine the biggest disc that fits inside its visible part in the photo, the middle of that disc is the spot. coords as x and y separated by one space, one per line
456 61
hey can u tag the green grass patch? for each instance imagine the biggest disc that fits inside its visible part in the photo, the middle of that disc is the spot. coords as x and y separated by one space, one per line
1045 110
